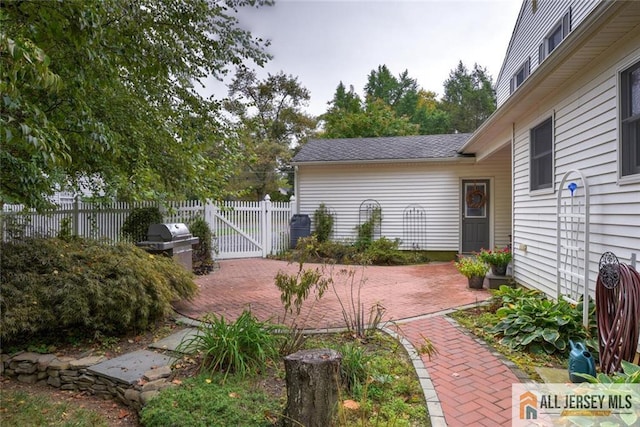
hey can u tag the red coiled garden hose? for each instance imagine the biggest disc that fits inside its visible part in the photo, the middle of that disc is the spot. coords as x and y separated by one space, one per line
617 314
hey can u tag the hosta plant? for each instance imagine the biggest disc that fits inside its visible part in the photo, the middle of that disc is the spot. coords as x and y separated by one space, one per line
507 295
630 375
539 325
616 384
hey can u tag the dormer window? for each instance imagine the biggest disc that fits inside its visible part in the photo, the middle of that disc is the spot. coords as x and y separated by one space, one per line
554 38
521 75
558 33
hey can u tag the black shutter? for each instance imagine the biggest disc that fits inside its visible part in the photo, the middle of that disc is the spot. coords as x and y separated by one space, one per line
540 53
566 24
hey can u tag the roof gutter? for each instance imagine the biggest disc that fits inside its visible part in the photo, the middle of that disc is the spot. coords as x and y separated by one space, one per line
561 53
458 159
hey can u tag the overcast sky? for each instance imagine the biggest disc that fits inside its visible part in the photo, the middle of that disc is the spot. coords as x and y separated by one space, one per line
325 42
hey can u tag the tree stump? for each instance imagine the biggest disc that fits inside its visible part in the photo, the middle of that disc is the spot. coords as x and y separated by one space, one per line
312 378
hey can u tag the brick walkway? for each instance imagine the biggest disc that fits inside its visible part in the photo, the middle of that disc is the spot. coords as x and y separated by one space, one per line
472 384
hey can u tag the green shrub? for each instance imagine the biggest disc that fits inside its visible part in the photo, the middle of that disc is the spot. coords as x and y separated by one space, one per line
58 286
339 252
384 251
202 255
366 230
65 232
309 249
240 347
137 224
323 221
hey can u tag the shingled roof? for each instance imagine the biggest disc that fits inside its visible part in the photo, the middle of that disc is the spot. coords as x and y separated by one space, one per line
393 148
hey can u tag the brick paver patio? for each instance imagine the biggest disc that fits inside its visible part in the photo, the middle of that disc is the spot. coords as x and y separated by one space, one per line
472 383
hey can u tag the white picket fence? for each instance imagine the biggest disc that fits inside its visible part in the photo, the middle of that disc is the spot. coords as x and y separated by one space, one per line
241 229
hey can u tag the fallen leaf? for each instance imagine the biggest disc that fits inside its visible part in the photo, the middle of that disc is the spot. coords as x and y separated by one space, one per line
123 414
234 395
208 381
351 404
272 418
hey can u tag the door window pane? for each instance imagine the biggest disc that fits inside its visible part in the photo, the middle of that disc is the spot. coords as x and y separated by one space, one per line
475 200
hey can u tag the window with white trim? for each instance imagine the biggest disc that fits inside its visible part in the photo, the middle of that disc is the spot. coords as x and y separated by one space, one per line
521 75
558 33
630 120
541 156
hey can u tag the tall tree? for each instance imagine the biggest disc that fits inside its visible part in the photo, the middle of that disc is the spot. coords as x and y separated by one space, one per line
388 109
345 102
268 119
469 97
400 93
395 102
429 114
103 92
376 119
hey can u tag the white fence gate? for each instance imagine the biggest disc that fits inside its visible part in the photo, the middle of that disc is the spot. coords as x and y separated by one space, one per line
241 229
250 229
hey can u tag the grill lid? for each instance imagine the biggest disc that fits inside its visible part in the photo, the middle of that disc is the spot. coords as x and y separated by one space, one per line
168 232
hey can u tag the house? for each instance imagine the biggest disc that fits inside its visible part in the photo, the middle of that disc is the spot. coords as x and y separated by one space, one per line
556 168
569 109
430 196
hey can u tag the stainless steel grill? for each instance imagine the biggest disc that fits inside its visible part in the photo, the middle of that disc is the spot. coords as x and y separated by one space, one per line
172 239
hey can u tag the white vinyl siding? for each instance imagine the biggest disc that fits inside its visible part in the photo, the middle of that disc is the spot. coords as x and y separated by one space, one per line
434 186
586 138
530 31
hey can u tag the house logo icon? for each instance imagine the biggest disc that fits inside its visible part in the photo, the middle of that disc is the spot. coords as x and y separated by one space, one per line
528 406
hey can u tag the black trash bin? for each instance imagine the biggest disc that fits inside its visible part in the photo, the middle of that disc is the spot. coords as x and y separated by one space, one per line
300 226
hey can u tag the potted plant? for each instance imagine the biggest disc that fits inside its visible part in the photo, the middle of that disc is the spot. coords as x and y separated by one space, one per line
474 269
498 259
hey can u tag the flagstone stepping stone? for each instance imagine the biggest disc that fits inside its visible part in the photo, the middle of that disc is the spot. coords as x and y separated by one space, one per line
553 375
131 367
173 341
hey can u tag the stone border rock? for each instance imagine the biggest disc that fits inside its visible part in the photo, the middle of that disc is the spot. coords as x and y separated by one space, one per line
66 373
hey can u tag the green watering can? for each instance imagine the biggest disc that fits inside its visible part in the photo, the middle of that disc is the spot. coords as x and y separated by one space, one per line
580 362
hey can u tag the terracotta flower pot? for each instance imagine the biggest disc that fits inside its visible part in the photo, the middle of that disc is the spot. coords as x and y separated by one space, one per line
476 282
